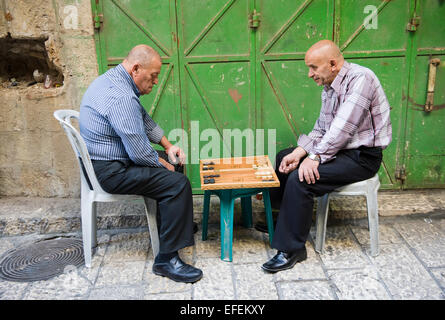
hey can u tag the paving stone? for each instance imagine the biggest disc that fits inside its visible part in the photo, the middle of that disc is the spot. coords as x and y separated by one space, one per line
393 203
363 284
12 290
439 274
68 286
387 235
169 296
128 247
427 239
248 246
217 280
306 290
341 250
251 282
115 273
210 248
404 275
123 292
309 269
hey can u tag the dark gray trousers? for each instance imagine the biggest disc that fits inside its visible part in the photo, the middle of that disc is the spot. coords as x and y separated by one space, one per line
295 199
171 190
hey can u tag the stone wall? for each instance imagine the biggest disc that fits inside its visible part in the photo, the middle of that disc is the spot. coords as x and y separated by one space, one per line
58 37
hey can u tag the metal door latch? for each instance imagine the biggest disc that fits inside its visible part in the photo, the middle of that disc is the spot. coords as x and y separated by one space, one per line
431 84
254 19
413 23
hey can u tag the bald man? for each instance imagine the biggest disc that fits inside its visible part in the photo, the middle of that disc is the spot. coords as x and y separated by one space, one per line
345 146
118 133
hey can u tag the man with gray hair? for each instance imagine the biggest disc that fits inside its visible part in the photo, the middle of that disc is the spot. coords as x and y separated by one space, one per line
345 146
118 133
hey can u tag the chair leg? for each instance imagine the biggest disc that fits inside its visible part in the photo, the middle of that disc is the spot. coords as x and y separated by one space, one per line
205 215
87 226
322 218
226 211
268 210
373 222
246 206
94 225
150 211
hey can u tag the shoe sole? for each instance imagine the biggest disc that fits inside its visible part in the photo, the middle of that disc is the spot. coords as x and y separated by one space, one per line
283 268
176 278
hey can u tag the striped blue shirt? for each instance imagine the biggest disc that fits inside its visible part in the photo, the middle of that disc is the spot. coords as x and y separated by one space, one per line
113 122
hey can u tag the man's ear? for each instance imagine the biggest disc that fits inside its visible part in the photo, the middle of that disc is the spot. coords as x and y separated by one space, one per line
135 68
333 64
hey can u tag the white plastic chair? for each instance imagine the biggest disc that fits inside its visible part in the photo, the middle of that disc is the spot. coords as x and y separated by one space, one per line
89 198
367 188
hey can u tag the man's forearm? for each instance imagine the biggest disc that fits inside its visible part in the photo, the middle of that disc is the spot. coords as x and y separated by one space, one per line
299 152
165 143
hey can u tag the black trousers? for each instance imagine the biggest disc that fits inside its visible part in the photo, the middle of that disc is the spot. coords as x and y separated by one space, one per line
171 190
295 199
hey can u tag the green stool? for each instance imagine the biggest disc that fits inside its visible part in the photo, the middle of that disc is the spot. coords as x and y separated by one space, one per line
227 199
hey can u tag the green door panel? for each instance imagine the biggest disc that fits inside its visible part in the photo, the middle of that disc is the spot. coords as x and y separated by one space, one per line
425 134
223 73
287 100
129 23
216 58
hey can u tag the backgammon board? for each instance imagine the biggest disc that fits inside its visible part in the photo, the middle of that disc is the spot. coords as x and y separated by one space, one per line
237 173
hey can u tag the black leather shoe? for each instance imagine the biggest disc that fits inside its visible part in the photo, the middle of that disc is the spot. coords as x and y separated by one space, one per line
283 261
195 227
175 269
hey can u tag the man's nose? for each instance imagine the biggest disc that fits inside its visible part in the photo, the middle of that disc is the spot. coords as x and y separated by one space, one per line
310 74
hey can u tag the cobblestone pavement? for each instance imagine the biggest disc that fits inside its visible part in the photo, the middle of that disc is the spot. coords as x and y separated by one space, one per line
410 266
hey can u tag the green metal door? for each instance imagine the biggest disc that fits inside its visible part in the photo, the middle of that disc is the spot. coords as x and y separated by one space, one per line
239 65
120 25
217 76
425 130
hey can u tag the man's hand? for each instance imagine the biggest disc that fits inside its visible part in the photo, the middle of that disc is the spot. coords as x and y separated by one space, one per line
167 165
309 170
174 154
291 161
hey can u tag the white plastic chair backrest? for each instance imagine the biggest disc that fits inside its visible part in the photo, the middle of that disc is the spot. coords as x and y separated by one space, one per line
79 147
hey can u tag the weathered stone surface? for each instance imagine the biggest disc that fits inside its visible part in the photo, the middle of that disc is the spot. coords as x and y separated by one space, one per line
122 267
363 284
427 240
341 250
36 158
252 282
404 275
306 290
120 273
217 281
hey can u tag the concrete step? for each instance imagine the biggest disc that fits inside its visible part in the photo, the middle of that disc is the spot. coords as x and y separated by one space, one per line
26 215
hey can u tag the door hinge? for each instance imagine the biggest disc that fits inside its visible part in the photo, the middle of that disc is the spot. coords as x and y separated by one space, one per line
98 19
413 23
400 174
254 19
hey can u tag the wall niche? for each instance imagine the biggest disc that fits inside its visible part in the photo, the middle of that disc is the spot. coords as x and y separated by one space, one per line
25 63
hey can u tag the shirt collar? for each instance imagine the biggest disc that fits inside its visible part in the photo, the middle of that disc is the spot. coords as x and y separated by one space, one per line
121 71
340 76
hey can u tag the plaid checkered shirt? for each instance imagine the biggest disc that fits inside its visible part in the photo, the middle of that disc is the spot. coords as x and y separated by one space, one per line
354 113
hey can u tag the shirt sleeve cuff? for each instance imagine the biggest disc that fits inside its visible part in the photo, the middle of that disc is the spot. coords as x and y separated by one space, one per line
155 135
305 142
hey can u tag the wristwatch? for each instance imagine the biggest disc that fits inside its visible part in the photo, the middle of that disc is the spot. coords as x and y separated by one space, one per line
314 157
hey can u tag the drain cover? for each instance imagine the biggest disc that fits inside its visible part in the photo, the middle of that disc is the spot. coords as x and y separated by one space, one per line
41 260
